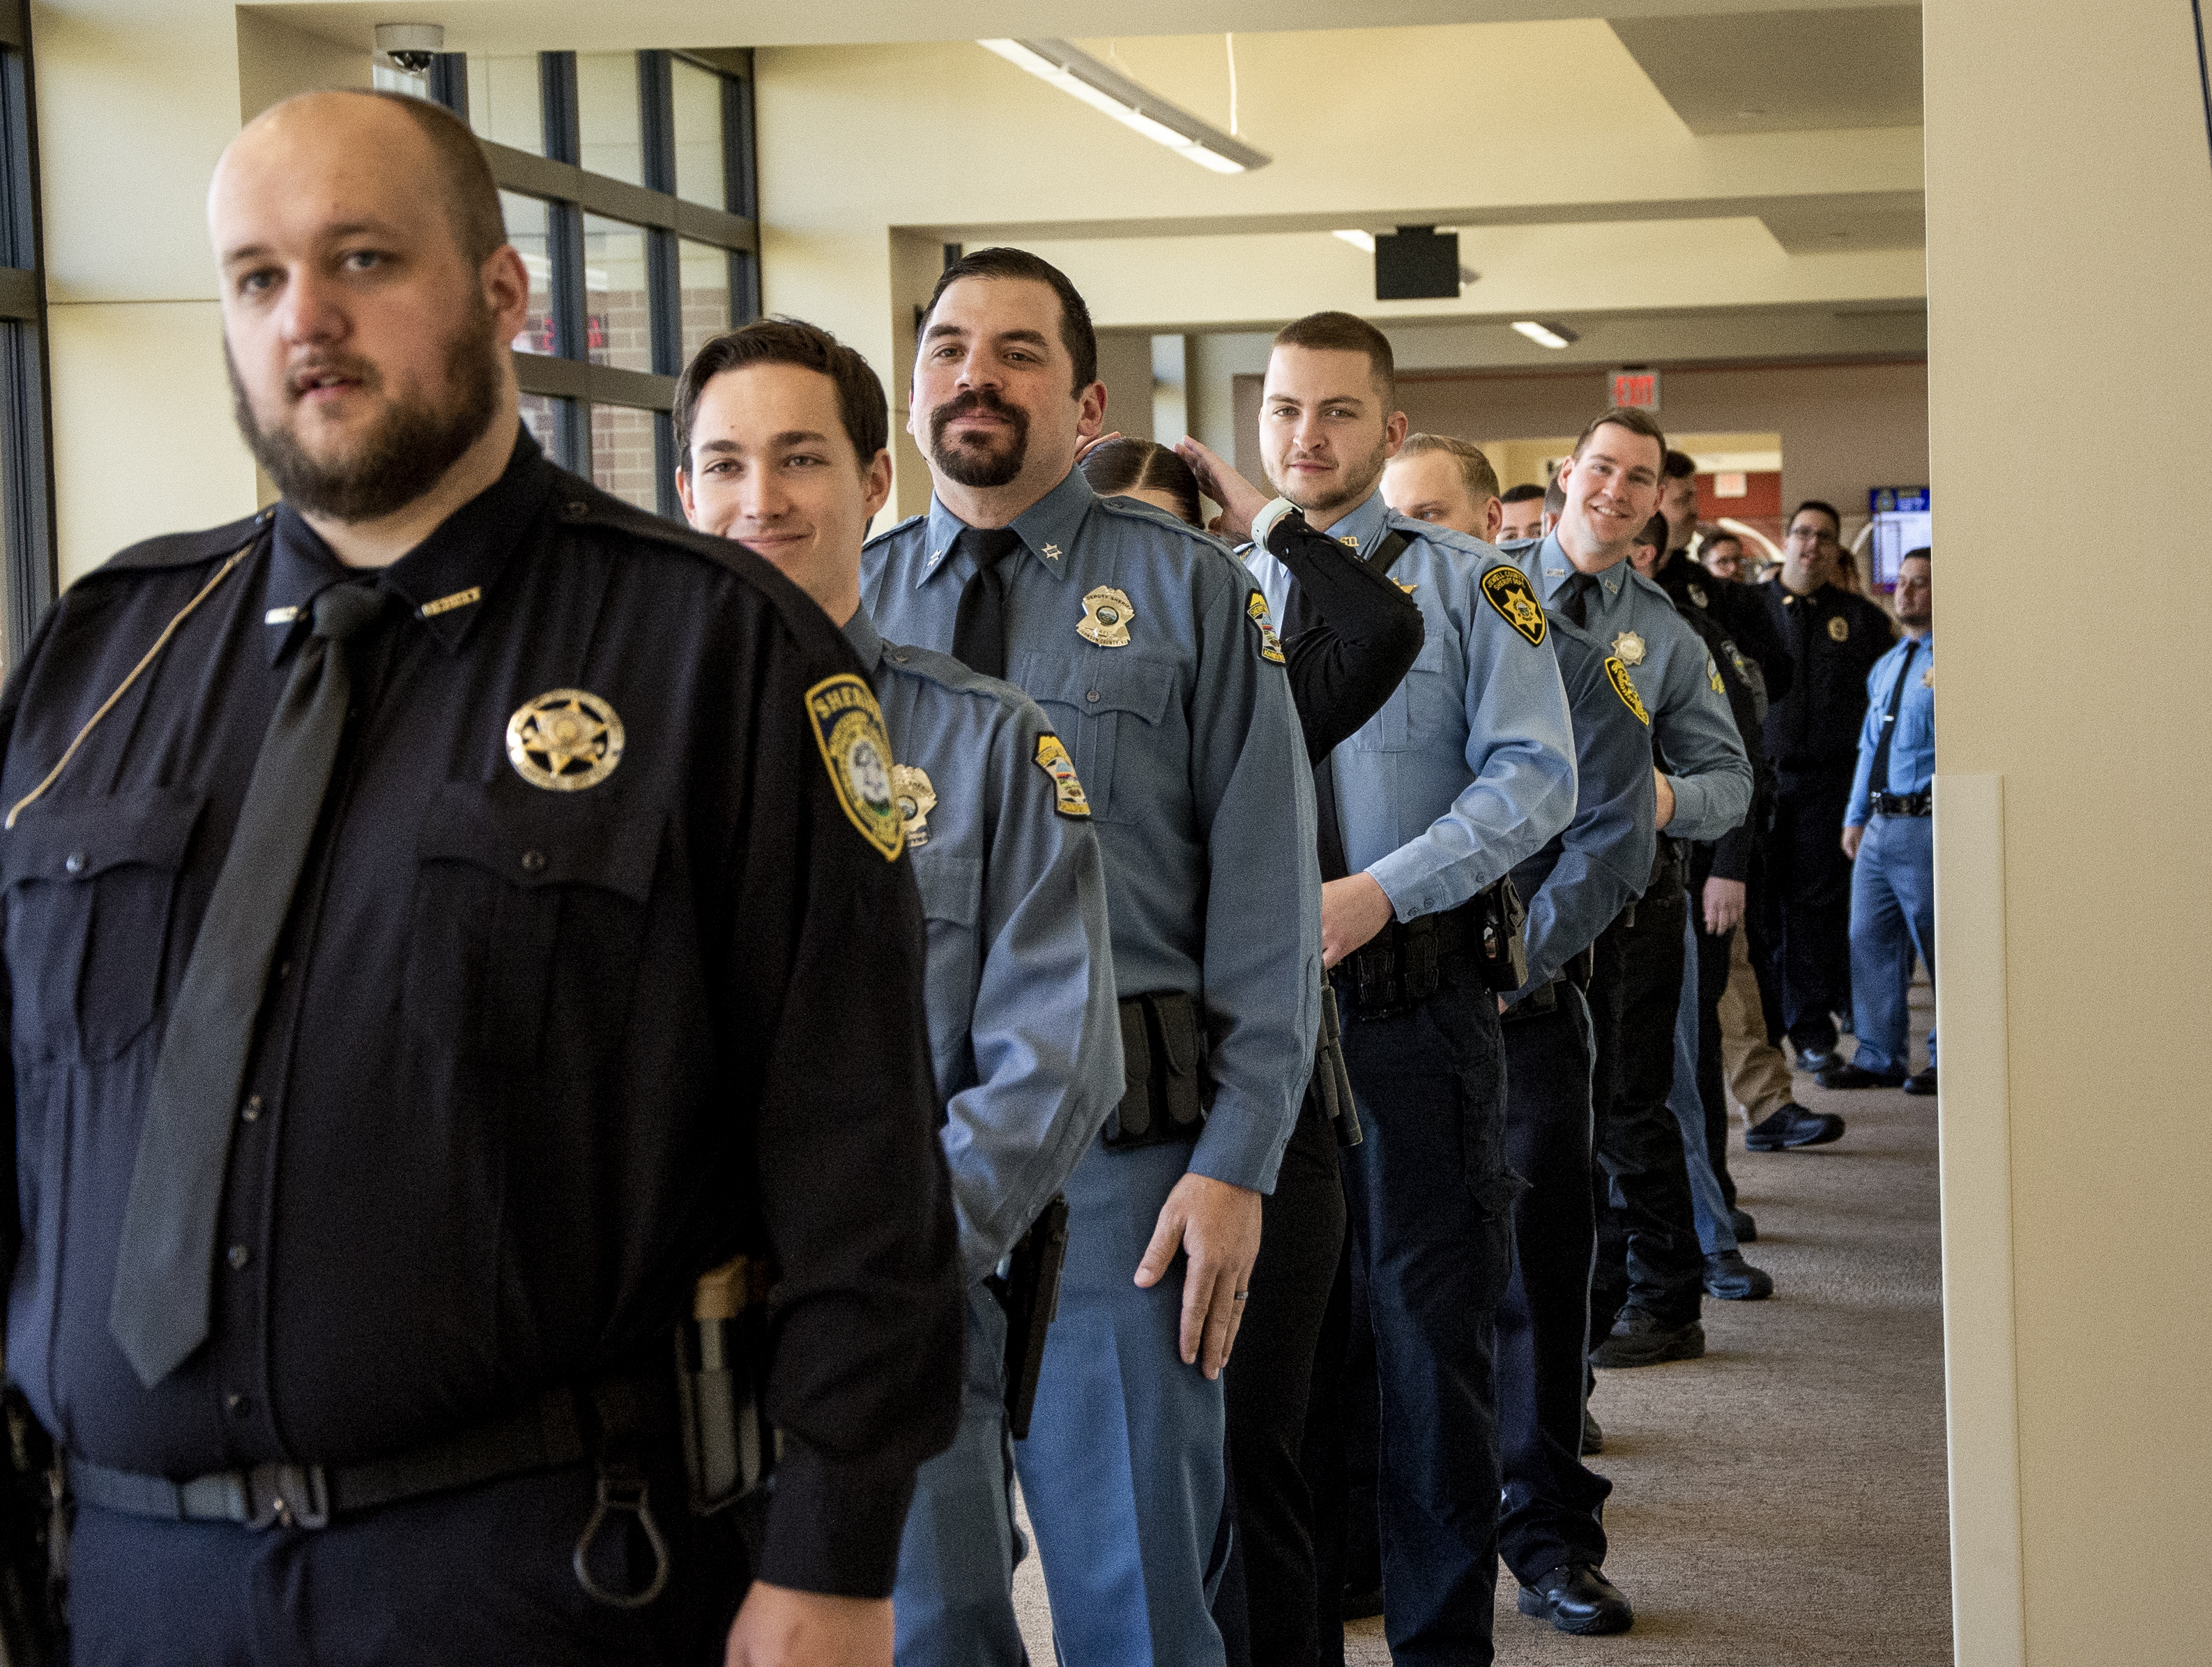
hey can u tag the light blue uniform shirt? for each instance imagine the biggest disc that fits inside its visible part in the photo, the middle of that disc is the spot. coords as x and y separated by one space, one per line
1189 750
1702 750
1913 748
1470 765
1023 1031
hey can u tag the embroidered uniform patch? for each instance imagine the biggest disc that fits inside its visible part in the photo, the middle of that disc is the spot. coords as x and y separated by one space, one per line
1697 595
848 728
1617 675
1271 646
1067 791
565 741
1713 676
1507 591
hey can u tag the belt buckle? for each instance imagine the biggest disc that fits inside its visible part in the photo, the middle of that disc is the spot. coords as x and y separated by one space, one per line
292 1495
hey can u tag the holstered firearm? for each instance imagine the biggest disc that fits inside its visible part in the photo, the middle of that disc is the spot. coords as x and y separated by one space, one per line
34 1542
1028 1288
1504 954
1331 1080
722 1385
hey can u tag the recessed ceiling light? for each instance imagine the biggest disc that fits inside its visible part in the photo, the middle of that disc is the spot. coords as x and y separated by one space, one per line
1362 241
1547 335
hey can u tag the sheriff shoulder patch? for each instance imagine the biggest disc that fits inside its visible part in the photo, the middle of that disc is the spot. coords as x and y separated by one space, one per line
1506 590
1713 676
1067 791
1271 646
1617 675
848 728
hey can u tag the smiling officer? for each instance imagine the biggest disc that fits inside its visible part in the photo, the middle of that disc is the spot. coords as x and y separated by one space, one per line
447 914
1155 658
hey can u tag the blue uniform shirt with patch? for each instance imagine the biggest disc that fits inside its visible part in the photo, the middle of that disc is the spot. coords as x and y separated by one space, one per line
1023 1030
1189 751
1600 862
1700 748
1913 748
1469 767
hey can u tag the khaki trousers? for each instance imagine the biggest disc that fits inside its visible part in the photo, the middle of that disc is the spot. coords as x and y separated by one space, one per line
1758 1074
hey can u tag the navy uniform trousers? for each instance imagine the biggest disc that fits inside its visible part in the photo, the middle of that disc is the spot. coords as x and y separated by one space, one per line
1431 1209
1553 1504
485 1571
1647 1251
1807 904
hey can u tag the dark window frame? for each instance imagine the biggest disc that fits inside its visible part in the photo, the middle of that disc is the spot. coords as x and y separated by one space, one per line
31 567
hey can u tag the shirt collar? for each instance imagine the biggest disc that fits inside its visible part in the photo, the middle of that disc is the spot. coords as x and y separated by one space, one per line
1048 528
1363 527
868 644
1553 566
443 579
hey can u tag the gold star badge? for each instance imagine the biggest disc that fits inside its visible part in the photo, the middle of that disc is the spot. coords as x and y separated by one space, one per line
1630 647
564 740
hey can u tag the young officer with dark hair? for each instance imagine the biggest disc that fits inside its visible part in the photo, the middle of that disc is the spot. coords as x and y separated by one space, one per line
1151 650
1651 1270
1523 519
781 433
1834 639
1466 769
450 912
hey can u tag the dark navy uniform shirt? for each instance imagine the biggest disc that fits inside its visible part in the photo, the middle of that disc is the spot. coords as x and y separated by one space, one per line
1598 864
532 1058
1835 638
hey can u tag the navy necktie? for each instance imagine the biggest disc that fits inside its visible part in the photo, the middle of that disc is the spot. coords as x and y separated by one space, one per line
165 1262
979 631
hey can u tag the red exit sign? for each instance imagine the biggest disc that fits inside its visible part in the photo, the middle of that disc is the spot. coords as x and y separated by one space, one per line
1639 390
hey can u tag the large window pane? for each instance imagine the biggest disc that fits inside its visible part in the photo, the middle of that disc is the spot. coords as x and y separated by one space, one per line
607 122
622 457
705 300
698 95
542 417
503 100
526 219
620 325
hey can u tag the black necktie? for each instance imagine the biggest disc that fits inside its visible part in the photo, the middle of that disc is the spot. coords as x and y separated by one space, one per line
1573 600
1878 777
164 1264
979 632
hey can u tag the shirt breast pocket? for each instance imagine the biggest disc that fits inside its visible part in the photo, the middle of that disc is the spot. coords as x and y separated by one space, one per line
529 919
91 892
1427 699
1096 702
951 890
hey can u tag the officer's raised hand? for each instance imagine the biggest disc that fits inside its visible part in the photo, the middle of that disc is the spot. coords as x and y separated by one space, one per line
1217 1226
1239 499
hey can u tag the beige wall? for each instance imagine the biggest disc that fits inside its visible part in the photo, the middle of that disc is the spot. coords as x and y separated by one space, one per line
2073 805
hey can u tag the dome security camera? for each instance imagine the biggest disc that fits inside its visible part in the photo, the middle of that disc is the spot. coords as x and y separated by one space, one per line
409 46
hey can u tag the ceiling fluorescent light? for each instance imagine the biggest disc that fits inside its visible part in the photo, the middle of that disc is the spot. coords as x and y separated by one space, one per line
1363 242
1108 91
1547 335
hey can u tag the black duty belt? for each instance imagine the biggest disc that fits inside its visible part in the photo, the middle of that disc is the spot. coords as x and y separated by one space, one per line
1902 804
1162 1059
545 1435
1400 966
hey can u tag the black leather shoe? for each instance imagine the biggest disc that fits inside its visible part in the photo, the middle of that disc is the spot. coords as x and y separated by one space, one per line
1732 1279
1577 1598
1593 1437
1745 1229
1793 1126
1815 1059
1359 1605
1844 1075
1921 1082
1641 1338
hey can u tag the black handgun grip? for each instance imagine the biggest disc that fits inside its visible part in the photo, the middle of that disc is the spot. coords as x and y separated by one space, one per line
1031 1294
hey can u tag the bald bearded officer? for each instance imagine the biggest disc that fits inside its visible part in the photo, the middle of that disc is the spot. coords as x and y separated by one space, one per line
781 432
1151 651
1468 768
447 914
1650 1273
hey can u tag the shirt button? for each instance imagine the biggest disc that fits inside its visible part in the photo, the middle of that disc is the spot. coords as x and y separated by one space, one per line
239 1256
237 1405
74 863
252 1109
1093 695
533 862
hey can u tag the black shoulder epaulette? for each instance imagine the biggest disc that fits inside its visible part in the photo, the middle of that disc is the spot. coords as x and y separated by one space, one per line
175 549
890 531
577 502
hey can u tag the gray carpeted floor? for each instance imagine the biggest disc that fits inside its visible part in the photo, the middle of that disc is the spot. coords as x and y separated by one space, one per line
1780 1501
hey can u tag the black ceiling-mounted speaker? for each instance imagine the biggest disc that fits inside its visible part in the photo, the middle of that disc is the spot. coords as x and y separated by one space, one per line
1417 263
